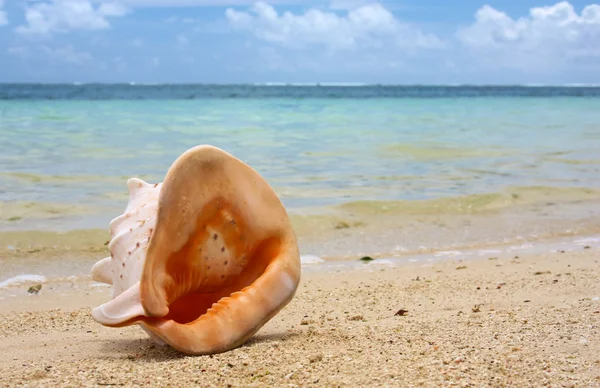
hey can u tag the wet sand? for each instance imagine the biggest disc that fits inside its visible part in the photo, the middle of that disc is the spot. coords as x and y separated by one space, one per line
527 321
352 230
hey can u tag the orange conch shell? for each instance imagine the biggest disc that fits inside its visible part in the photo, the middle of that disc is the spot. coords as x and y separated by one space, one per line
202 261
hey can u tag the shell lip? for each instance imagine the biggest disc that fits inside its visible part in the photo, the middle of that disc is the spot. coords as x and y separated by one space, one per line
121 310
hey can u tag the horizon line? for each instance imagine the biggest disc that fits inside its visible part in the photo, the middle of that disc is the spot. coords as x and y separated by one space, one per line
307 84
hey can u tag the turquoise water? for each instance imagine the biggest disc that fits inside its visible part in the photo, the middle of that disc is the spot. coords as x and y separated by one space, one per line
313 151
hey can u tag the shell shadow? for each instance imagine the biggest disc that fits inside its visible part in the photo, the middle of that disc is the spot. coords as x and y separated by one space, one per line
139 350
144 350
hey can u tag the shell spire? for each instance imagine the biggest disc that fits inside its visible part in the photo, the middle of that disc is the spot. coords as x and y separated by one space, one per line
202 261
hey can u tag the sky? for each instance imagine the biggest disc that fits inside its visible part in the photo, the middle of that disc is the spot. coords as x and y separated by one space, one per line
344 41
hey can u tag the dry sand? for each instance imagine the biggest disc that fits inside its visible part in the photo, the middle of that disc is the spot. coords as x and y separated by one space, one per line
529 321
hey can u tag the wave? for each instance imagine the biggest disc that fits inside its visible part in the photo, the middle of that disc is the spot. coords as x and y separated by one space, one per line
13 211
426 152
22 279
474 203
310 259
30 177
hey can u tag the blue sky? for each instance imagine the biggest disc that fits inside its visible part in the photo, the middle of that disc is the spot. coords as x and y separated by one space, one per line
426 41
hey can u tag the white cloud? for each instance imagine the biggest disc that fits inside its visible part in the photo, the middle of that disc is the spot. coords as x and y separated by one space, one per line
3 18
548 37
348 4
112 9
48 17
369 25
199 3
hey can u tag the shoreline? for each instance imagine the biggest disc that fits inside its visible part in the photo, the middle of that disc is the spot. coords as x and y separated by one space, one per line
17 285
57 257
346 234
519 322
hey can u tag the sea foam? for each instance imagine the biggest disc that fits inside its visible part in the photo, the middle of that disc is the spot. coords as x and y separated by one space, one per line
310 259
22 279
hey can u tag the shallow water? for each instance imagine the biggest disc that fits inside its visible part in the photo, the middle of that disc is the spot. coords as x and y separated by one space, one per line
363 170
64 162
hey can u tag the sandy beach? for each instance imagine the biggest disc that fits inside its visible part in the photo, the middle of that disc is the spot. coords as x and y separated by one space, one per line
526 320
479 205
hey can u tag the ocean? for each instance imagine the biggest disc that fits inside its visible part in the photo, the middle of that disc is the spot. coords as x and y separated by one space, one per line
70 148
66 151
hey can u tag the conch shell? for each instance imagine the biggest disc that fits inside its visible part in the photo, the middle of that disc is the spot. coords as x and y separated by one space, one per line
202 261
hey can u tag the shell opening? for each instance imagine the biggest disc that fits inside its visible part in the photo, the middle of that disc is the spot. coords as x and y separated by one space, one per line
192 296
